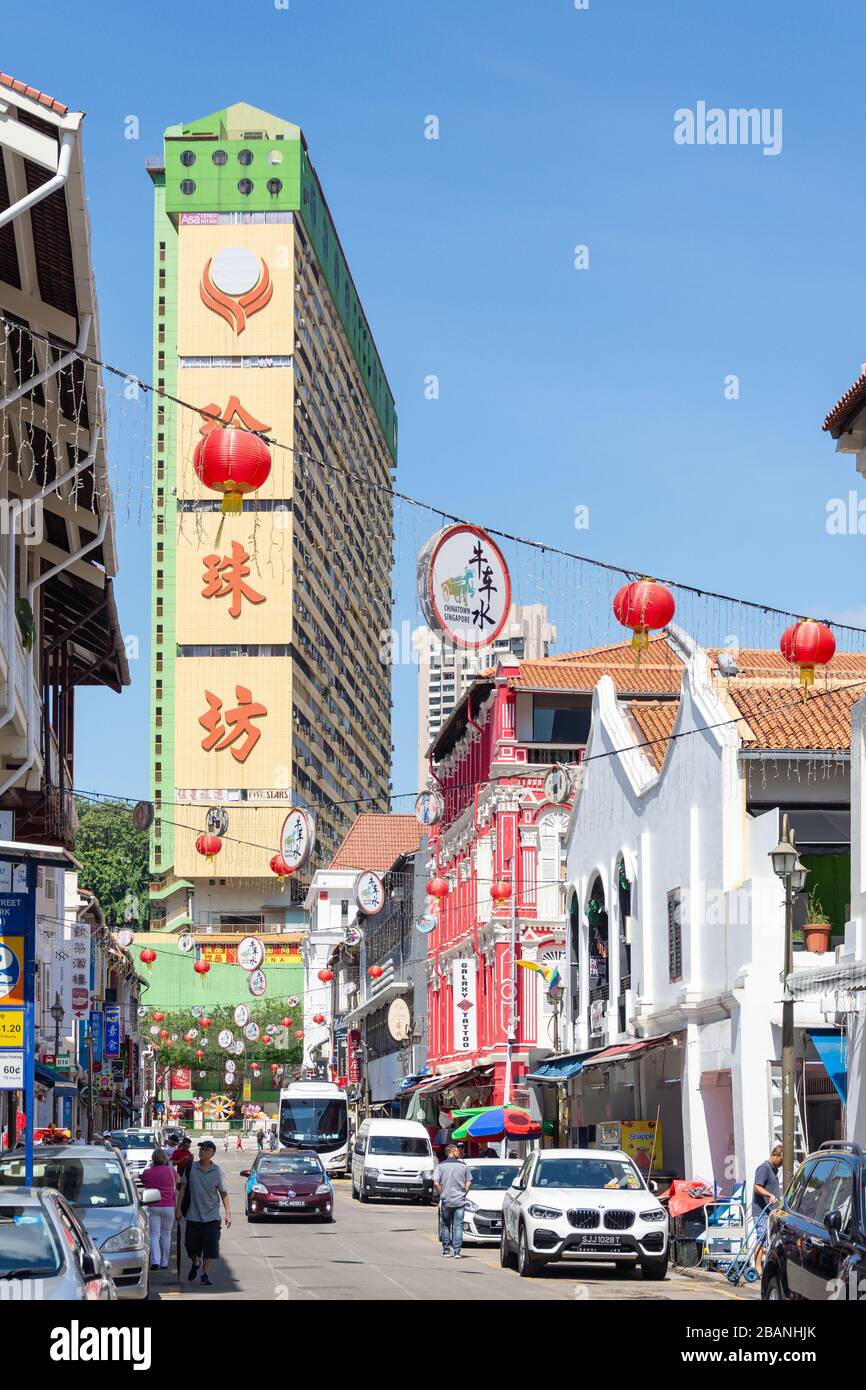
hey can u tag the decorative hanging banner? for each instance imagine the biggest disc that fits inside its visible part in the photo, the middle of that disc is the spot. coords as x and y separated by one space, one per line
224 1038
251 953
427 923
142 815
257 983
297 838
464 587
197 1010
369 893
429 807
241 1015
251 1032
125 937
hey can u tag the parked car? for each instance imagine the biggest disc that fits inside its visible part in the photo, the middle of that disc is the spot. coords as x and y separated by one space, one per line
288 1185
482 1215
392 1158
42 1239
583 1204
137 1146
816 1244
96 1184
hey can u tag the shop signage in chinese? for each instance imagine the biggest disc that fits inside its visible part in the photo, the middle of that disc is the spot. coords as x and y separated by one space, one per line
241 1015
369 893
465 1021
297 838
463 586
228 955
111 1015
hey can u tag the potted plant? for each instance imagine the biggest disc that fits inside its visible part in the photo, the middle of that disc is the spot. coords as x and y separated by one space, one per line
818 926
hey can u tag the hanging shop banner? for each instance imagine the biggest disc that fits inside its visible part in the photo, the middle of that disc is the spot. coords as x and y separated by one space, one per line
251 953
465 1020
217 821
96 1033
463 586
297 838
353 1056
429 807
369 893
241 1015
111 1016
257 983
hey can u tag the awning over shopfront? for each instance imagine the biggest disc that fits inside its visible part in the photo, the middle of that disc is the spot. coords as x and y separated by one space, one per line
624 1052
381 1000
558 1069
45 1076
830 1047
436 1085
849 976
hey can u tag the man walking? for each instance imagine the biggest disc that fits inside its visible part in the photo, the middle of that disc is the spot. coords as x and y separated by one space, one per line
202 1187
451 1183
765 1194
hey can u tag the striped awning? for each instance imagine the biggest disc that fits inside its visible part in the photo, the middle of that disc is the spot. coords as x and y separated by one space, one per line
805 984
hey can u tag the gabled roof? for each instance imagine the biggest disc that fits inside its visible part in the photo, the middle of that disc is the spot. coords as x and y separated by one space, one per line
659 670
375 841
33 93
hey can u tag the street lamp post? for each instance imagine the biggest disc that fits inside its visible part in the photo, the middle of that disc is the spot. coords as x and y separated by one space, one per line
788 868
57 1013
88 1043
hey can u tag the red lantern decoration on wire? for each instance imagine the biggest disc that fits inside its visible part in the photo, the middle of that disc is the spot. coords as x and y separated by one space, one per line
201 968
267 1039
286 1022
199 1054
282 870
438 887
206 1022
147 956
233 462
326 976
499 891
318 1019
299 1033
275 1066
209 846
164 1033
644 605
158 1016
808 644
375 972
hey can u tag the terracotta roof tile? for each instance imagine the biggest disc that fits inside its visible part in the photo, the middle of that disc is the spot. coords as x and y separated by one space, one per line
655 721
846 407
659 671
33 93
375 841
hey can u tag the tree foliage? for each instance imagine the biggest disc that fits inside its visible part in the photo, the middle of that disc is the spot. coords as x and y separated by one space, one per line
114 859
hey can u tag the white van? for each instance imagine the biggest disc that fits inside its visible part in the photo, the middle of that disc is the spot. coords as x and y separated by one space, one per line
392 1158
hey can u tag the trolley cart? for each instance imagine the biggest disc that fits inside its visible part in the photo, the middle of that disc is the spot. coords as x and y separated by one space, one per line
741 1266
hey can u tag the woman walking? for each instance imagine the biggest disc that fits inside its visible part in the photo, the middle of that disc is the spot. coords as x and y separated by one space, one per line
162 1176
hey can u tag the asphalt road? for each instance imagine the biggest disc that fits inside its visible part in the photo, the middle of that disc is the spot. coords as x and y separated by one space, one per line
389 1251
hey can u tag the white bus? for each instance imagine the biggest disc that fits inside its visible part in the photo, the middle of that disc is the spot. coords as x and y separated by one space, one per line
314 1115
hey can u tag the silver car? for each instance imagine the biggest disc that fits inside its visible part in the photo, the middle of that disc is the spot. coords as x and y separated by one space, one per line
136 1145
45 1252
97 1185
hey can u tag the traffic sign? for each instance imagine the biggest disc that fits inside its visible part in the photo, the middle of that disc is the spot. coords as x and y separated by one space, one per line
11 1071
11 1027
11 969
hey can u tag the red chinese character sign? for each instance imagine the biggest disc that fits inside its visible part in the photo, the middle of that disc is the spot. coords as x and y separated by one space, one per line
297 839
224 577
464 587
234 727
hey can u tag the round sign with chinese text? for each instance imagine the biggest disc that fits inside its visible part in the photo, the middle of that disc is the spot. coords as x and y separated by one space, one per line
557 785
224 1038
217 821
251 953
125 937
142 815
297 838
399 1020
241 1015
464 587
429 807
185 941
251 1032
369 893
257 983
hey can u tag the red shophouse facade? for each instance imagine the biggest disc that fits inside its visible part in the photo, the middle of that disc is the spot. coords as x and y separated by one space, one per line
498 826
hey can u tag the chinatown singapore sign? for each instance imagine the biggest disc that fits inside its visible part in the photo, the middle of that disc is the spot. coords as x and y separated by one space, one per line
297 838
463 586
369 893
465 1020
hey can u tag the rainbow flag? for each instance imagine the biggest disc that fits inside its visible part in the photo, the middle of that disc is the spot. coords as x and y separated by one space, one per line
549 973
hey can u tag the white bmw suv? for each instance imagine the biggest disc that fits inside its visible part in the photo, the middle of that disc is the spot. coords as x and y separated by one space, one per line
583 1204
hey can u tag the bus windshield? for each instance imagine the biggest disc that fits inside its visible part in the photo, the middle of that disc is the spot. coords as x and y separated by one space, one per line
313 1122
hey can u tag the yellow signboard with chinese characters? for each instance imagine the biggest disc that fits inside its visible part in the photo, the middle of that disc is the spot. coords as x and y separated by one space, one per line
236 590
233 722
250 398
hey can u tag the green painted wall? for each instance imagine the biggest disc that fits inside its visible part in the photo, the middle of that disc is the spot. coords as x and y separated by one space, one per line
173 984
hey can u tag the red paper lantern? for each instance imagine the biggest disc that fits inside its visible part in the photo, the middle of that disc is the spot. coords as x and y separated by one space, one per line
206 1022
299 1033
201 967
318 1018
157 1016
275 1066
199 1054
167 1043
500 891
285 1023
282 870
375 972
164 1033
807 644
187 1037
437 887
232 462
643 605
326 976
147 956
209 846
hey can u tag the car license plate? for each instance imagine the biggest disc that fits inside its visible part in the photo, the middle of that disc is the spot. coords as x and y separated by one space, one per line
288 1202
600 1240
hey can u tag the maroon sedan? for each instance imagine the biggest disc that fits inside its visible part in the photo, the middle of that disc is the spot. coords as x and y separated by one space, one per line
288 1185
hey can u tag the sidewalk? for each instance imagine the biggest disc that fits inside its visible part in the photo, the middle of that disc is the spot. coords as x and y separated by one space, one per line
718 1281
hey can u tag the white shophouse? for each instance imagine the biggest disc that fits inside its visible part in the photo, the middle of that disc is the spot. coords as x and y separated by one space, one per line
674 989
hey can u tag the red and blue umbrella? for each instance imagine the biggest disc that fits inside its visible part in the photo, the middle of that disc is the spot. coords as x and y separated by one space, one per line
500 1122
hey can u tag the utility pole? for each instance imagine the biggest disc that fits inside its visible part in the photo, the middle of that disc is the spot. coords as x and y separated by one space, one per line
88 1042
787 866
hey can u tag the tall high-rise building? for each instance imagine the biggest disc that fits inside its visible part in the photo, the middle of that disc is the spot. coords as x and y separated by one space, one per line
268 690
445 672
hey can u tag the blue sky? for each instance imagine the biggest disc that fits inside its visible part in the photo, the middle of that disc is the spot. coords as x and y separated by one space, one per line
558 387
